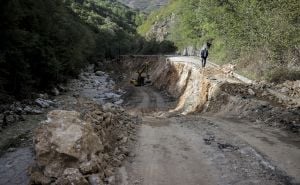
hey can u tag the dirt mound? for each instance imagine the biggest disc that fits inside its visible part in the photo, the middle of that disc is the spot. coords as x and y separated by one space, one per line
81 147
257 104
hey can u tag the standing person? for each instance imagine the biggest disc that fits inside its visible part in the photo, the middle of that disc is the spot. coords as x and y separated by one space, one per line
204 55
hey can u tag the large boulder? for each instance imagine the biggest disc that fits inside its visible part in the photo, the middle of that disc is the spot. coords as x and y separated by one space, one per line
65 141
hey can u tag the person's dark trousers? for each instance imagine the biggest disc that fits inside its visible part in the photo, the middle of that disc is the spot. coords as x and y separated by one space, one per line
203 60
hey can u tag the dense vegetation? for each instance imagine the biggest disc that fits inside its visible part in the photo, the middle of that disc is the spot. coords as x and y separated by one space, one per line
262 37
145 5
45 42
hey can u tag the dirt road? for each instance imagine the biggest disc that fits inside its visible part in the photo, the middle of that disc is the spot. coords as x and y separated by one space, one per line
197 150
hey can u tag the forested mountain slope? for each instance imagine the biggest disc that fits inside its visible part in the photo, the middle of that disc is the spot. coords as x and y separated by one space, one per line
145 5
262 37
45 42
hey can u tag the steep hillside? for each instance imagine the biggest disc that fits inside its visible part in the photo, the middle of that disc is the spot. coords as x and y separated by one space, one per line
261 37
45 42
145 5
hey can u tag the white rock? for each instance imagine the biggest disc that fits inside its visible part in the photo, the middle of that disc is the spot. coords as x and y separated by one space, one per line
100 73
44 103
251 92
119 102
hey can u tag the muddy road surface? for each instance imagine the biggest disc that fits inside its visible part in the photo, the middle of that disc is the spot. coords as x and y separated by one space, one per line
173 149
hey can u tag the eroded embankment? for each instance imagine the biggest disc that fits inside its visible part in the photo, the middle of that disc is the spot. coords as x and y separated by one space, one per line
185 81
214 91
192 85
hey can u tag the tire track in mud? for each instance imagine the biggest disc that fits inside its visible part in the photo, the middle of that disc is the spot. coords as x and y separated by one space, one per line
146 101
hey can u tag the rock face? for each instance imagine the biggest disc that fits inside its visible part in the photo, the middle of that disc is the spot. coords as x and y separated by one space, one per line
160 30
68 137
187 81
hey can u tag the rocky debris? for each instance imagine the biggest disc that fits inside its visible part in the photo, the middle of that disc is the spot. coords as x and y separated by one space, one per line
83 146
289 88
44 103
97 86
89 167
15 112
30 110
259 91
71 176
9 117
260 106
228 69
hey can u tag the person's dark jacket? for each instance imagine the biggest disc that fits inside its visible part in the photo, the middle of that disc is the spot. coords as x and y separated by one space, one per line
204 53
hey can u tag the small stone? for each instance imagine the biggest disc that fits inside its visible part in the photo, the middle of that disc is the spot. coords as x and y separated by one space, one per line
99 73
95 179
11 149
89 167
251 92
264 93
55 91
111 180
108 172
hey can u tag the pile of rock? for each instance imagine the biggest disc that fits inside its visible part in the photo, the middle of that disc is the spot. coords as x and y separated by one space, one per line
16 111
290 88
82 147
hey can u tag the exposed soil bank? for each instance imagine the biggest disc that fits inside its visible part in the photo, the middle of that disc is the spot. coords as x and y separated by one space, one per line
216 91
